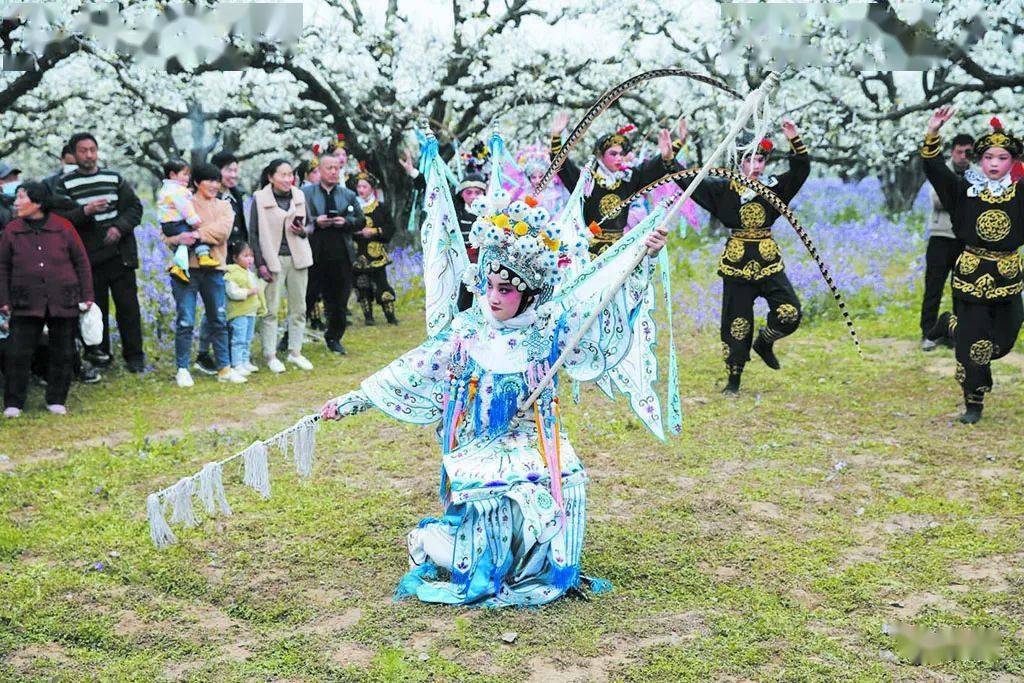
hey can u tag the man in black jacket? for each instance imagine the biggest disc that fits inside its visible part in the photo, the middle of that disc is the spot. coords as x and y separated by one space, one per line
108 211
335 212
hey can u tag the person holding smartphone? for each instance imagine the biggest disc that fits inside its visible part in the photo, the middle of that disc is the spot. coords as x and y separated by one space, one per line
335 213
279 240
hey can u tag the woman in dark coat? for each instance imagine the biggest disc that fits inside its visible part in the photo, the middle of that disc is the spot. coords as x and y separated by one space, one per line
45 280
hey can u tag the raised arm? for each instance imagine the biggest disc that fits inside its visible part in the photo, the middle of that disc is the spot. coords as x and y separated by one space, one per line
792 180
942 178
569 172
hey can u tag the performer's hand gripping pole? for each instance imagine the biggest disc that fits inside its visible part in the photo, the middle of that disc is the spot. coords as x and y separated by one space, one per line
753 102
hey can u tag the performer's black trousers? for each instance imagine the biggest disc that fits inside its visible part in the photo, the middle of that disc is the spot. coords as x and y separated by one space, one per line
111 278
939 259
25 334
983 333
372 285
738 314
336 278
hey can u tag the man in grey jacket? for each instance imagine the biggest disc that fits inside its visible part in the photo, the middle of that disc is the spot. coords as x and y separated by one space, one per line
943 246
336 215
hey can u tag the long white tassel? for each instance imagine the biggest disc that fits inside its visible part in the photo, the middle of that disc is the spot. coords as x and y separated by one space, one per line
211 489
180 496
303 444
159 531
257 471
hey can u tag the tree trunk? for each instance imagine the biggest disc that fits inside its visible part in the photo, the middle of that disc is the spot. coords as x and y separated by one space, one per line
900 184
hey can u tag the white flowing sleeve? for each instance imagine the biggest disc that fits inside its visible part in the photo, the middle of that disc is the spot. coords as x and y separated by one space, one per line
411 388
609 340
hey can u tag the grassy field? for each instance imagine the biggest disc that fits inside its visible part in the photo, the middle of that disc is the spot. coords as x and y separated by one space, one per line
773 540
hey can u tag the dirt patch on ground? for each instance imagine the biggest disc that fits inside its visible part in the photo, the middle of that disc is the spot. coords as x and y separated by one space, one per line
332 623
352 654
26 659
669 629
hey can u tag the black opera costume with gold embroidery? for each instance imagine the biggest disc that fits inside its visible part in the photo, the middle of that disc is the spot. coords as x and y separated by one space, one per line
751 265
609 192
987 277
372 260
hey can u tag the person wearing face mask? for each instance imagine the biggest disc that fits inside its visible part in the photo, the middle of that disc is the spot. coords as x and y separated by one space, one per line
751 264
67 165
987 212
613 179
9 181
943 246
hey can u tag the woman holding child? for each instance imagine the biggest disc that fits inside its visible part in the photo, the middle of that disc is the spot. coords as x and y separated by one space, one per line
206 282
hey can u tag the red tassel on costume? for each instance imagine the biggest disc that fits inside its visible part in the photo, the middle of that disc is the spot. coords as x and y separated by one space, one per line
341 136
996 123
766 145
628 128
1017 171
316 149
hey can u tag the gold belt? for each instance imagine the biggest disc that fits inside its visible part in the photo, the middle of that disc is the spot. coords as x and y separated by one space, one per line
752 234
989 254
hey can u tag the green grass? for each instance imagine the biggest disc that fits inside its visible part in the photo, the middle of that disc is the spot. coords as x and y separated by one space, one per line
739 550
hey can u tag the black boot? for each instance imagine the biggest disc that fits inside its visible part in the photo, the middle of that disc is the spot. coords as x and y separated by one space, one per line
389 312
973 403
766 349
941 329
732 385
367 305
282 345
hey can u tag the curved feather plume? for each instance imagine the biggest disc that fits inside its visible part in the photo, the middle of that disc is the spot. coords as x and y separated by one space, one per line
776 202
606 100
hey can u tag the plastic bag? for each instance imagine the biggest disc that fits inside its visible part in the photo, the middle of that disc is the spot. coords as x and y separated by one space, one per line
91 323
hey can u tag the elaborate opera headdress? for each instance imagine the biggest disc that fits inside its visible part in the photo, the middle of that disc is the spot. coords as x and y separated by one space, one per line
520 242
999 138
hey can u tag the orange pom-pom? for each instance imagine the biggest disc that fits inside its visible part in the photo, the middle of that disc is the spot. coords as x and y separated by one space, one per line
594 228
530 201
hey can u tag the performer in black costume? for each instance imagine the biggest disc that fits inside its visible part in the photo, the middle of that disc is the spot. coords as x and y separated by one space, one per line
987 211
613 181
372 258
751 265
